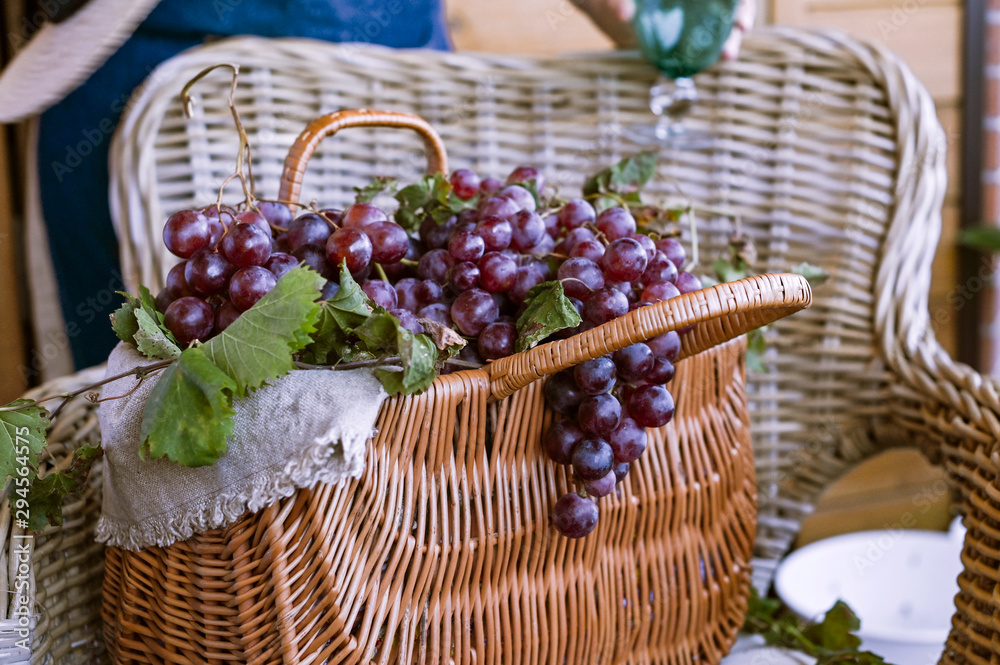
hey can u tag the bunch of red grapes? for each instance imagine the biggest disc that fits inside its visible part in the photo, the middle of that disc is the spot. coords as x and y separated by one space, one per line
471 272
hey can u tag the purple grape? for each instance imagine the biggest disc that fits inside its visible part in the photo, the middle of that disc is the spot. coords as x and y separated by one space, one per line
276 213
314 256
605 305
576 213
687 282
330 289
473 310
434 265
527 278
579 277
162 300
464 183
624 260
528 230
628 441
208 273
667 345
589 249
434 235
249 285
651 406
497 340
360 215
560 439
647 244
621 470
176 285
308 228
466 246
490 186
389 241
633 362
662 371
674 250
497 273
545 246
280 263
225 315
351 246
574 516
659 269
496 232
408 320
501 206
336 217
602 486
552 225
246 245
659 291
562 394
464 276
185 232
616 223
408 294
592 459
189 318
382 293
521 196
438 312
527 174
255 219
595 377
599 415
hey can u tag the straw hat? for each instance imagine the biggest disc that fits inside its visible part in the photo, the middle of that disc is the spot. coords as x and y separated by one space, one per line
65 51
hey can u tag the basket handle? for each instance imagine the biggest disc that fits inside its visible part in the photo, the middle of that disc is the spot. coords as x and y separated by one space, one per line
724 312
306 143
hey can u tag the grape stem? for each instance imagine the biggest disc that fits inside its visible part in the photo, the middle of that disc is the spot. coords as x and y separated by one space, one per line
385 363
139 372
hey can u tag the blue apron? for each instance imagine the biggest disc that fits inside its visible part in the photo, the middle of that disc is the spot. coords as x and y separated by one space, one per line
75 134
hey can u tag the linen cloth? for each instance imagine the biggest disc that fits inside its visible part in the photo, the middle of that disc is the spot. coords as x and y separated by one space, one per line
308 427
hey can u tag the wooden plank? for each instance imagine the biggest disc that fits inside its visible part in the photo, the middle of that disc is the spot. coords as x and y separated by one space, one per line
522 26
928 37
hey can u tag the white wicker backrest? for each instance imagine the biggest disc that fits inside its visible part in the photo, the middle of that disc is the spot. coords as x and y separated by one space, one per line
828 148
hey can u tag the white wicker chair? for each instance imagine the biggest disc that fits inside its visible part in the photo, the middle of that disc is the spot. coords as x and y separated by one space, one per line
828 148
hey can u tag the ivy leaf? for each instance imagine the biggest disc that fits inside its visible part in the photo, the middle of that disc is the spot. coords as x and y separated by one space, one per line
374 188
813 274
258 346
546 310
46 496
151 340
22 437
189 412
418 355
625 178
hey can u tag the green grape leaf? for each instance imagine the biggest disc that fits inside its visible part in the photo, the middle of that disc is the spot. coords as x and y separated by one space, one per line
151 341
189 412
756 345
378 185
338 317
123 319
418 355
546 310
984 238
22 437
727 272
835 631
258 346
412 200
626 178
813 274
445 339
45 497
379 332
431 197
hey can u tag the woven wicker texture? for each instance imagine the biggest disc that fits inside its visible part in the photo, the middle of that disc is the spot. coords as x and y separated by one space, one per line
829 149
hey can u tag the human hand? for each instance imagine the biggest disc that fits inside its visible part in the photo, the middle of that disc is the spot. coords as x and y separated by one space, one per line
614 18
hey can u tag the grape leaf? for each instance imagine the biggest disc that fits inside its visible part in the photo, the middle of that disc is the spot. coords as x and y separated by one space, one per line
756 345
727 272
624 179
151 340
546 310
258 346
374 188
431 197
813 274
834 632
338 317
123 319
983 238
189 413
22 437
379 332
418 355
46 496
444 338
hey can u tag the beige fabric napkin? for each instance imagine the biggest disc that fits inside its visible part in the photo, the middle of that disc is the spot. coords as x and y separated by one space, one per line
309 427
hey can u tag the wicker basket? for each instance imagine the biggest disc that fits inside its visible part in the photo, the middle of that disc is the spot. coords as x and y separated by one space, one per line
442 551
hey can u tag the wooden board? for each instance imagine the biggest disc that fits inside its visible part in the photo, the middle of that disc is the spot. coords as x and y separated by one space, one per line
12 325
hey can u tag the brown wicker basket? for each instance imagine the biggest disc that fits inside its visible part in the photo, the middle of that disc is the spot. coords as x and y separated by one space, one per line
442 551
